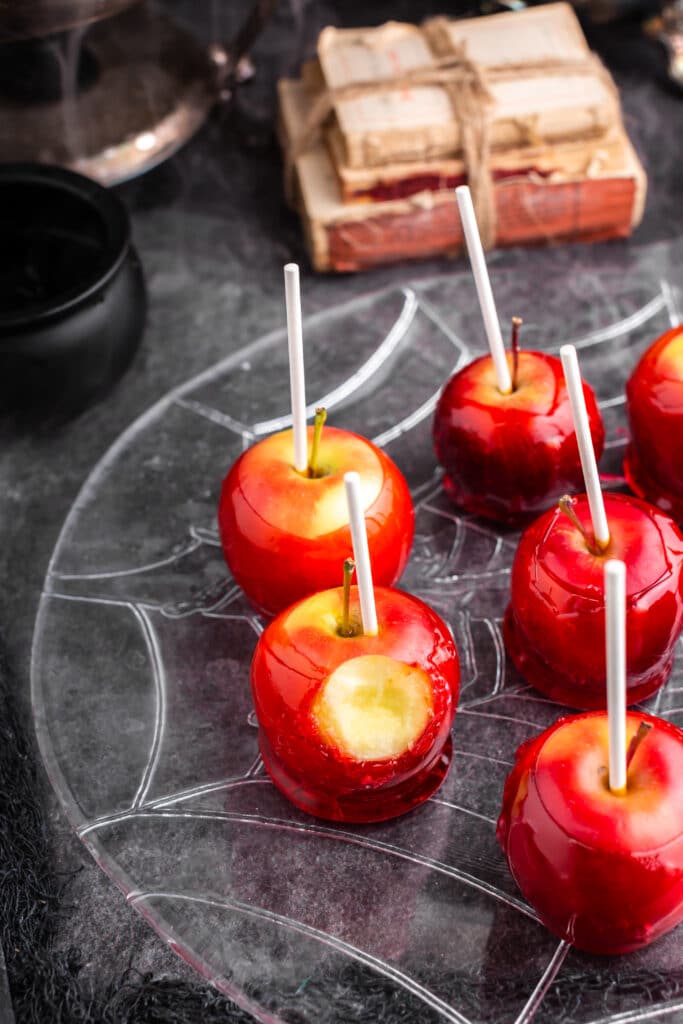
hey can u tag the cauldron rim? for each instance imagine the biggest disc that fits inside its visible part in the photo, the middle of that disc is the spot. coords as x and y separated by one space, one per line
114 218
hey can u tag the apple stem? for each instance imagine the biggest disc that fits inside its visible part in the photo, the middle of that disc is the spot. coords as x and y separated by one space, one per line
516 324
566 504
643 730
318 423
349 566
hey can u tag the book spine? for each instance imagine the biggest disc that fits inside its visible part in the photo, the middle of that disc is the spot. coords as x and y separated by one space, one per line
403 188
534 212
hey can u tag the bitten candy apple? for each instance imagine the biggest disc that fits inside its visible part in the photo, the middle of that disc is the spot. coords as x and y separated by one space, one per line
285 533
508 457
603 870
356 727
654 402
555 623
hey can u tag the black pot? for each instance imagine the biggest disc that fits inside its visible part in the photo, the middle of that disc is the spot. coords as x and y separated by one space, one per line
72 293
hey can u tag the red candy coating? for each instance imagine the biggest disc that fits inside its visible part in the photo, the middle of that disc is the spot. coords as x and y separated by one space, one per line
654 402
285 535
509 457
294 660
603 871
555 623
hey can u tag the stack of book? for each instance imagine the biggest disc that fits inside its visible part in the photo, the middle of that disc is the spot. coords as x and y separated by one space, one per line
383 125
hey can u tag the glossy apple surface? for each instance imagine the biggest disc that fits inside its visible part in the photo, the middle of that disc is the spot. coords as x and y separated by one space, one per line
356 728
654 402
510 457
555 623
285 535
604 871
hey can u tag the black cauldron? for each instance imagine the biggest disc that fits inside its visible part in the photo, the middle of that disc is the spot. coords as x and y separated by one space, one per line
72 294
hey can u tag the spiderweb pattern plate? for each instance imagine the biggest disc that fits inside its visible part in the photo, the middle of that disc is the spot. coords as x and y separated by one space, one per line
144 717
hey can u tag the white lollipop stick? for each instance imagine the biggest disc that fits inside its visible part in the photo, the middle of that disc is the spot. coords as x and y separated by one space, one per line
484 293
615 649
297 383
596 503
361 554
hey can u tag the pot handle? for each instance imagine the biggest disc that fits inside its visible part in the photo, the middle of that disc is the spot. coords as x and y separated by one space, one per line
226 57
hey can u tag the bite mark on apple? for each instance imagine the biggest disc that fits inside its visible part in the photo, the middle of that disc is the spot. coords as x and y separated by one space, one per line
373 708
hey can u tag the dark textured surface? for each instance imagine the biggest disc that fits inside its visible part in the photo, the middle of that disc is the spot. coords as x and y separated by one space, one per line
218 204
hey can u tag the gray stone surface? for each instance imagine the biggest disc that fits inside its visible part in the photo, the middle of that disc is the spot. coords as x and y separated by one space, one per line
218 205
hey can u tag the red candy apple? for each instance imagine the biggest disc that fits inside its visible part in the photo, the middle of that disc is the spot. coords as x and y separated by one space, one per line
603 870
654 402
509 457
285 533
356 727
555 623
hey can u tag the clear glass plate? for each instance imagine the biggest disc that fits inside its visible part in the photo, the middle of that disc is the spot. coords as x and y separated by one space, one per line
143 711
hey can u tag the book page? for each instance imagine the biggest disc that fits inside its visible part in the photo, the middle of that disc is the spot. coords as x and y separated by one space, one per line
427 106
520 37
521 97
371 55
402 110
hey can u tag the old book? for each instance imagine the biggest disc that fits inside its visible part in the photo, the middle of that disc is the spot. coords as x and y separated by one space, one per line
544 83
547 162
591 194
